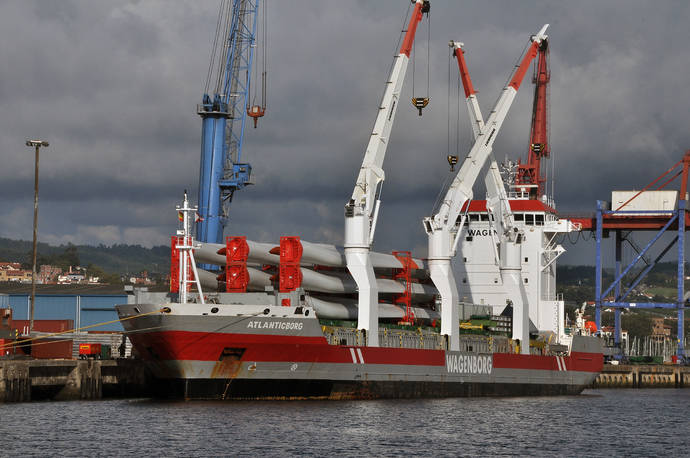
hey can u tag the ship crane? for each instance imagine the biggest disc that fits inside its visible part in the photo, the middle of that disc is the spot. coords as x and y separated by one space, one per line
529 176
442 228
223 110
361 212
510 237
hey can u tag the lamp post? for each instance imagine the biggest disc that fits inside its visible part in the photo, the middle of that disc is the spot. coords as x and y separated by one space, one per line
37 144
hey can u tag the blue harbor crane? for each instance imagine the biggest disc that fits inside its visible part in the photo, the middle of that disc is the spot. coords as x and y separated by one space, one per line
223 110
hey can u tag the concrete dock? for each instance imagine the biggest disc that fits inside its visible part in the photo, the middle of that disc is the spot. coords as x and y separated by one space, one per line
643 376
33 380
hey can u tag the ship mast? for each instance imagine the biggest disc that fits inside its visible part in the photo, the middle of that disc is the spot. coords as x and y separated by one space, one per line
185 246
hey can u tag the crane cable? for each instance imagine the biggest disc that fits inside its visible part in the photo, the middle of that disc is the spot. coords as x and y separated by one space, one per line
421 102
453 154
31 339
263 47
214 47
448 106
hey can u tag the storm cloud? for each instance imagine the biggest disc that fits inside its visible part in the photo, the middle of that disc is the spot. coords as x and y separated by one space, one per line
113 86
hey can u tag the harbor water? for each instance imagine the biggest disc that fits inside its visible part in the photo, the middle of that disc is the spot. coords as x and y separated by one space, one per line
623 422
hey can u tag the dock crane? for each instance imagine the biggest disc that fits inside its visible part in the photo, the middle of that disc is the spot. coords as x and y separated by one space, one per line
361 211
223 111
443 228
510 237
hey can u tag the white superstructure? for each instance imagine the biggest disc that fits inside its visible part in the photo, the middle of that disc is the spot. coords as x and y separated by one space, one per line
478 274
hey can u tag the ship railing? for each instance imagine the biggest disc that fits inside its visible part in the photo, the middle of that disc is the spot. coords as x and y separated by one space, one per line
515 195
418 339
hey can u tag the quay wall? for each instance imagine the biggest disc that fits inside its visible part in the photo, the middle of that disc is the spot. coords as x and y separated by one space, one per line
643 376
33 380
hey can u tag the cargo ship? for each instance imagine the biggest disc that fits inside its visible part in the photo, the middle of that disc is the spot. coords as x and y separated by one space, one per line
254 348
307 320
278 344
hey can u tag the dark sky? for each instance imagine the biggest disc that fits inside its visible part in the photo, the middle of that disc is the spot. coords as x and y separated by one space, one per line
114 86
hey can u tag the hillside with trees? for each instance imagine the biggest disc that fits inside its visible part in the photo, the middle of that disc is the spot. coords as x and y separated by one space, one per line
117 259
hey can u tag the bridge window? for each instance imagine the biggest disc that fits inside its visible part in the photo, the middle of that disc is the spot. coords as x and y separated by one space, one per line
519 217
539 220
529 219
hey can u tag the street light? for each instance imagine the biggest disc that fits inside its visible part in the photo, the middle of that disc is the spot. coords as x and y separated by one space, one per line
37 144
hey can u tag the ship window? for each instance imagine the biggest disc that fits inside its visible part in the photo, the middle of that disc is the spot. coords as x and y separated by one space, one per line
495 280
526 280
464 259
526 259
214 310
474 217
482 217
539 220
464 280
529 219
519 217
469 238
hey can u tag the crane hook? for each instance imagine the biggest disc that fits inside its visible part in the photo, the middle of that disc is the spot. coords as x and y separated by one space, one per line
452 160
256 112
420 102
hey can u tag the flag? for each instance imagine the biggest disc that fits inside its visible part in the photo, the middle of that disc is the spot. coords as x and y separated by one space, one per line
180 216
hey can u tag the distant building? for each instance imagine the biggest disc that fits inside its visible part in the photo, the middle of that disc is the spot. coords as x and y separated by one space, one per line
660 331
10 266
76 274
12 271
608 332
20 275
141 279
49 274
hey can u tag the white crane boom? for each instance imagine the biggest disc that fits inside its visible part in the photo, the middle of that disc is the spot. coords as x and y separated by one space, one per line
509 252
362 210
442 228
497 198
